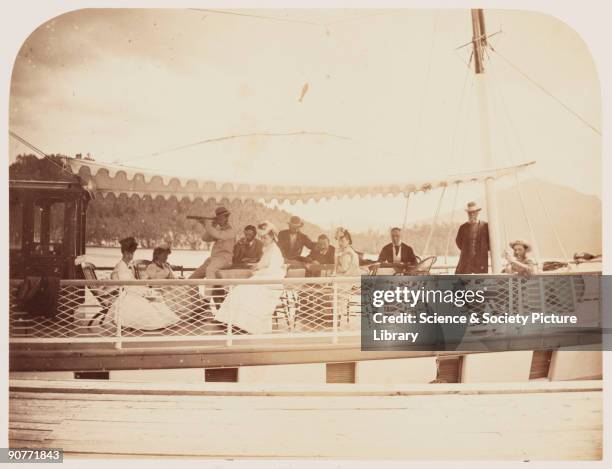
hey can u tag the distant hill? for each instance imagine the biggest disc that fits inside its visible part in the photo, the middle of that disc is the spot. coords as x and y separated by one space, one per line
152 221
576 216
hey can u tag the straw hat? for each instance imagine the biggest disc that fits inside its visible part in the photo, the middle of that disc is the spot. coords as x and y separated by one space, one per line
525 244
162 247
473 207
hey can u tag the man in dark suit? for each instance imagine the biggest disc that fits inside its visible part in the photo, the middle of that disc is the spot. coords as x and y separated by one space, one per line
397 252
292 241
323 255
249 249
473 242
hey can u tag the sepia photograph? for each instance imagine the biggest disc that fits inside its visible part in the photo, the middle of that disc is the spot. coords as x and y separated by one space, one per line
211 212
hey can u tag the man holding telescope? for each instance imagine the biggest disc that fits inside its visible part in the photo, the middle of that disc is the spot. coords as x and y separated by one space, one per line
217 230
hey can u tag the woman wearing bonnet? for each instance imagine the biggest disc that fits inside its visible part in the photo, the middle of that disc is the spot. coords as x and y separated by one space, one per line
347 260
133 308
250 307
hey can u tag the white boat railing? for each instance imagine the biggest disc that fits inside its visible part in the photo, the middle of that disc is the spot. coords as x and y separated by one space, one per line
317 308
322 308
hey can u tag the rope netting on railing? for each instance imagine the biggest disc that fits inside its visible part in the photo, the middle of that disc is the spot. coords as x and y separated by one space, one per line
224 309
192 308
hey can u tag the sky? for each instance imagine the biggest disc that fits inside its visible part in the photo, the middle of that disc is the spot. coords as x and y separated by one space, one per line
389 98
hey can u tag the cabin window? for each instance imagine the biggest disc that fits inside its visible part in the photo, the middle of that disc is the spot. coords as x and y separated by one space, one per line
48 226
16 224
449 369
91 375
221 375
540 364
340 372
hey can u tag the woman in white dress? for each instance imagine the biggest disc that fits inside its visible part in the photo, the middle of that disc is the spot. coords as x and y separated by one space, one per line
250 307
132 309
347 260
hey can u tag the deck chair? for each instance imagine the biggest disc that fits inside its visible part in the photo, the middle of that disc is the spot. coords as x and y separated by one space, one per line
289 300
140 266
424 266
105 297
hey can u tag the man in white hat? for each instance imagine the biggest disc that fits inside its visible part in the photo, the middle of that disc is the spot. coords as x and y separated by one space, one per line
518 262
473 242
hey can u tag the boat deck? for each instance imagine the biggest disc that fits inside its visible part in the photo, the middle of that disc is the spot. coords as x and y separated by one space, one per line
503 421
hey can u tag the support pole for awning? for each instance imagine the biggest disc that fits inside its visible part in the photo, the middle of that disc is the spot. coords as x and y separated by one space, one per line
480 42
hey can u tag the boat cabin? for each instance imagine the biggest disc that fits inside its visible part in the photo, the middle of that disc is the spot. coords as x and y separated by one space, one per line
47 218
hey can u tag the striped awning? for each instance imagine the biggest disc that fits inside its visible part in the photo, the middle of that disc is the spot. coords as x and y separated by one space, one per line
104 179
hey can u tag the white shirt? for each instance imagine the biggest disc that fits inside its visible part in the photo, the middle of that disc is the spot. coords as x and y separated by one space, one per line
397 257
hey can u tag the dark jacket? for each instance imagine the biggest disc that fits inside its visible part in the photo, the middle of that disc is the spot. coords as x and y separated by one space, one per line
289 252
252 252
327 258
38 296
386 254
479 262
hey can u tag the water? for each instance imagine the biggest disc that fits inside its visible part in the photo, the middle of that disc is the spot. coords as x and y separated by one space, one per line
109 256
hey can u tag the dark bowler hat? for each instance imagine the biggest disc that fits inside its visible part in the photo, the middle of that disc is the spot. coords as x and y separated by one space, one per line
162 247
128 244
296 221
220 211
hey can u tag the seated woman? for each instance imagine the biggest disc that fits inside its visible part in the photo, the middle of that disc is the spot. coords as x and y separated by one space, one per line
131 308
178 298
250 307
519 263
347 259
159 269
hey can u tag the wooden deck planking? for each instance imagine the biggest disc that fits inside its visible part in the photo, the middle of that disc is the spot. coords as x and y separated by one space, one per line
535 424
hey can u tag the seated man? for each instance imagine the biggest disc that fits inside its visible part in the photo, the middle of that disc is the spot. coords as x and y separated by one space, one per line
292 241
397 252
248 250
322 254
518 261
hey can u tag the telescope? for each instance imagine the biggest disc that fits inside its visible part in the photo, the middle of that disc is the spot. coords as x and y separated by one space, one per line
200 219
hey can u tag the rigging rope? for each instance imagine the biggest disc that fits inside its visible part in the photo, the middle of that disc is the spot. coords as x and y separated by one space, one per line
450 228
536 248
39 151
406 211
259 17
425 88
552 225
435 221
504 221
521 147
536 84
459 120
230 137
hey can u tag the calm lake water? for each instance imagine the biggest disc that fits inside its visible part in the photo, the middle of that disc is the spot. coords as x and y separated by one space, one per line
108 257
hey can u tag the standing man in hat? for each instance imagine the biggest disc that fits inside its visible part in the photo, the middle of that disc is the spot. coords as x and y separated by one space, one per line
292 241
473 242
219 231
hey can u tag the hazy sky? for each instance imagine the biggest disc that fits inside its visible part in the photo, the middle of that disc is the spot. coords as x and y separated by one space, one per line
386 100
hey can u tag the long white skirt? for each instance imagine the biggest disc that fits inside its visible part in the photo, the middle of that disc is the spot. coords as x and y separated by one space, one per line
250 307
135 311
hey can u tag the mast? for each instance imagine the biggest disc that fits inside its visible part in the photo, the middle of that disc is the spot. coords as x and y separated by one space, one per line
479 43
